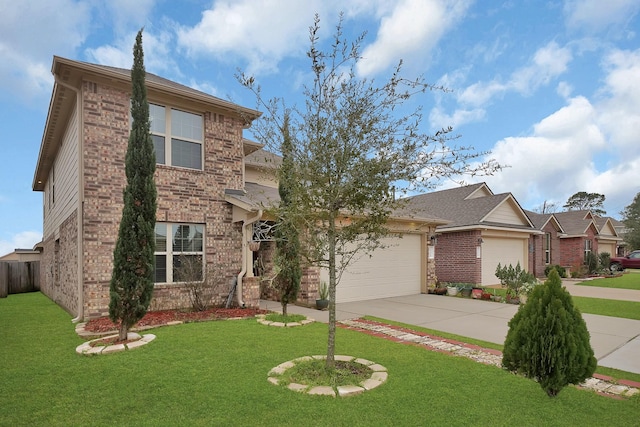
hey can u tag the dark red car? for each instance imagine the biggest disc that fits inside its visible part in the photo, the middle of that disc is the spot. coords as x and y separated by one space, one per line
630 261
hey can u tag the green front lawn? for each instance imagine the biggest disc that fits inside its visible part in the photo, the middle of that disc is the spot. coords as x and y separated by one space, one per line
629 280
215 373
608 307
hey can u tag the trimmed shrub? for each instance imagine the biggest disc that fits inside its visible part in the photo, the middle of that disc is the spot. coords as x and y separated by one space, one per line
604 259
591 262
562 272
548 340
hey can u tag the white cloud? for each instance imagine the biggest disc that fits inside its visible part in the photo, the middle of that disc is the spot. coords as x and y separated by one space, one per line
584 146
555 161
411 30
31 32
439 119
22 240
621 100
597 15
260 31
547 63
157 52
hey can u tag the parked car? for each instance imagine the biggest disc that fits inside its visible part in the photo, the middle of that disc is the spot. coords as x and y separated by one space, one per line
630 261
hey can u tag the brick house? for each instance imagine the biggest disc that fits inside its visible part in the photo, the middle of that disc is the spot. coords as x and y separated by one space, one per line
484 229
212 191
567 238
200 152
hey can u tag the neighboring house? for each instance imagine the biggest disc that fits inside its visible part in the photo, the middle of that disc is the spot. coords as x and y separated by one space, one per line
568 237
546 246
23 255
212 192
584 232
622 248
484 230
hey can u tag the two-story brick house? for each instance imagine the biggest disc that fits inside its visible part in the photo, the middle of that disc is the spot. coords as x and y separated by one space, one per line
200 153
211 193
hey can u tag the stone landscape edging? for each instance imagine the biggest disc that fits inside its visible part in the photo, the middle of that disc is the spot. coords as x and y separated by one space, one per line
379 375
263 321
137 341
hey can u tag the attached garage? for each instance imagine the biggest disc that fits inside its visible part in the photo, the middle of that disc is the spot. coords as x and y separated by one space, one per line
393 271
505 251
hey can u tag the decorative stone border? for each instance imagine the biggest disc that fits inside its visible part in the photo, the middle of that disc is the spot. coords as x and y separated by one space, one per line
87 350
378 376
262 320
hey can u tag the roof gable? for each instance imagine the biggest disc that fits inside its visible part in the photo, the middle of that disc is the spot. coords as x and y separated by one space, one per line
472 206
508 212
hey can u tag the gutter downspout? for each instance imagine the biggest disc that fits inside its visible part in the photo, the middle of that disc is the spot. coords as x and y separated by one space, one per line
245 261
80 215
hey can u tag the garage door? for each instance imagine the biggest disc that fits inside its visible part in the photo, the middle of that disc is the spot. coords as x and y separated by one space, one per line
504 251
392 271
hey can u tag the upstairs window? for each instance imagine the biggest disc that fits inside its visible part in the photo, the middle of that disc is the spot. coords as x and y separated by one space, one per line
177 136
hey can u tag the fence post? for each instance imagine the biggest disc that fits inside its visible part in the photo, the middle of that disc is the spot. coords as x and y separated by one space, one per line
4 279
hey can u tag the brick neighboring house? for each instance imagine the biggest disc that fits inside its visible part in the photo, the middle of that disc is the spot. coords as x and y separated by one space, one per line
484 229
212 190
583 233
546 246
568 237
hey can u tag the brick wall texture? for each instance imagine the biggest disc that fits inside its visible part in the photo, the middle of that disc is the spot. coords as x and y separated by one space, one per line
455 256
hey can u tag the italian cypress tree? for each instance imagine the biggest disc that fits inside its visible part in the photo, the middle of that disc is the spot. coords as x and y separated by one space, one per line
131 285
548 340
287 257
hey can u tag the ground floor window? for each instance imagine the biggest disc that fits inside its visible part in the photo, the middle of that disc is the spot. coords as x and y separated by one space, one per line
547 248
588 246
178 247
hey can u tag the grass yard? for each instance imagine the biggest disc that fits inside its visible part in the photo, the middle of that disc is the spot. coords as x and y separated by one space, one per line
603 307
214 373
629 280
608 307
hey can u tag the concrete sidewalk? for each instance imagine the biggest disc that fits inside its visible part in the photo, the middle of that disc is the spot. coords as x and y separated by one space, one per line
615 341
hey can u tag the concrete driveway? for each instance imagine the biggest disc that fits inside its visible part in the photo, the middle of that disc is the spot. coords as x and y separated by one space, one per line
615 341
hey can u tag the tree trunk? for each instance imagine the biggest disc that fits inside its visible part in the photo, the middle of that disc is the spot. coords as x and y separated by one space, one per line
123 331
284 308
331 342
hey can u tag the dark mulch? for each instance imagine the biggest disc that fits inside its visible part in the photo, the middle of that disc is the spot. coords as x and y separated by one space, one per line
159 318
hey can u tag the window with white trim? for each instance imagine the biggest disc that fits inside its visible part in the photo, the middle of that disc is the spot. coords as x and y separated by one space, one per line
177 136
174 243
547 248
588 246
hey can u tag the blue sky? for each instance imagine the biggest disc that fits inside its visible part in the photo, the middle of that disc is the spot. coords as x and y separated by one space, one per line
552 88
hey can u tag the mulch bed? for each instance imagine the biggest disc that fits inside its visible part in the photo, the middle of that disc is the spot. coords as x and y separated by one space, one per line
159 318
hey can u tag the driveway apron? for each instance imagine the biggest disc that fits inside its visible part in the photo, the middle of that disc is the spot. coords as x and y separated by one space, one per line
615 341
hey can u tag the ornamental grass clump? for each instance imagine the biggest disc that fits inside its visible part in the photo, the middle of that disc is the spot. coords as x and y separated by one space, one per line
548 340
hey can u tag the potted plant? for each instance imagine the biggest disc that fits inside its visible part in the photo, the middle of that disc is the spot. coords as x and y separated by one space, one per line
466 290
452 289
514 279
323 297
485 294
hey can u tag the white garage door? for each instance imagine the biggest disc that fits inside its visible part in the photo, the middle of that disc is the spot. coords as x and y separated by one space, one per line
504 251
392 271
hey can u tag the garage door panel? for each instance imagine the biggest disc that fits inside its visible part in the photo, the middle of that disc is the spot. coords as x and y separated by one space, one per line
504 251
392 271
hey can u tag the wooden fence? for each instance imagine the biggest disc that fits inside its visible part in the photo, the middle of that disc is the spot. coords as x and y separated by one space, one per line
19 277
